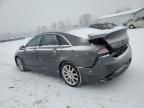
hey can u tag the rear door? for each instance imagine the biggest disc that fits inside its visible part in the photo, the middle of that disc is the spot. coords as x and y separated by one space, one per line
47 51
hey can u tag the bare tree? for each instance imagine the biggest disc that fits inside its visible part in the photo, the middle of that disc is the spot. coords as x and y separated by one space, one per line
68 24
85 20
61 25
53 27
1 2
41 29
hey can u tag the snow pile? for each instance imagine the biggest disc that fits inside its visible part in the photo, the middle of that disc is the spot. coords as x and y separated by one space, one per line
40 90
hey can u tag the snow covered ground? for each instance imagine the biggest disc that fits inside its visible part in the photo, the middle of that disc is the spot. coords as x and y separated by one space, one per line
38 90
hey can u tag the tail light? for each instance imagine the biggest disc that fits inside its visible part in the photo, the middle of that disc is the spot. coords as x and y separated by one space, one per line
103 51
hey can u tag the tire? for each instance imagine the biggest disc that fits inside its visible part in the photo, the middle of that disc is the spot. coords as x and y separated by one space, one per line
20 64
70 75
131 26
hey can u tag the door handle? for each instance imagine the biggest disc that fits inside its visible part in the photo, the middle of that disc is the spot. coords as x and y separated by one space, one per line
54 51
33 51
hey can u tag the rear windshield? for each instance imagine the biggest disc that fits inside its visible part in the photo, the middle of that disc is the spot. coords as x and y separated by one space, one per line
76 41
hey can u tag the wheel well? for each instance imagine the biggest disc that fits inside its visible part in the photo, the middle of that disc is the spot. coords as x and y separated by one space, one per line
131 25
60 67
16 57
66 62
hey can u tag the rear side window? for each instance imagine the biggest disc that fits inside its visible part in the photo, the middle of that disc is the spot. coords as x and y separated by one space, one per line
61 40
34 42
49 39
76 41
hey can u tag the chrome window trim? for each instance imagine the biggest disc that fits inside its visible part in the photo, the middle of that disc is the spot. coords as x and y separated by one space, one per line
49 45
65 40
42 38
31 46
61 36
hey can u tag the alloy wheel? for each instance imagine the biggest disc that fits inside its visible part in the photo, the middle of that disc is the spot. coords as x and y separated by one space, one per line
19 64
131 27
71 75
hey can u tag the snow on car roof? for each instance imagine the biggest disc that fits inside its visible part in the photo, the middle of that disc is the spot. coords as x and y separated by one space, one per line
83 32
86 33
121 13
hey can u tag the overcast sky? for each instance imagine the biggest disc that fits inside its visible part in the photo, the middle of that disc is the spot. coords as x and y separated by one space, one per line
26 15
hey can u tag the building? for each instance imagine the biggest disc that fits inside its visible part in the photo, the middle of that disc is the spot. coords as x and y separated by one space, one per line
123 17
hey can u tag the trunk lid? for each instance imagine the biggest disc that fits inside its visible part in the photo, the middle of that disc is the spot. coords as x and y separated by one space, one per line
115 40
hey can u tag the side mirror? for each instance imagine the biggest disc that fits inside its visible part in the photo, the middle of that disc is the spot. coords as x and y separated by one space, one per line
22 47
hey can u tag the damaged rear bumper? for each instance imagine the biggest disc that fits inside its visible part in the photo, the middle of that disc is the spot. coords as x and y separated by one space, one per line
107 67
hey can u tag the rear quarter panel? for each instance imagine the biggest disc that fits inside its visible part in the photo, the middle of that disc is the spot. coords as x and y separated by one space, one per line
80 56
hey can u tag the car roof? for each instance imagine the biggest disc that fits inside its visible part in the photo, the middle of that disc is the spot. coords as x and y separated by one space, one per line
78 32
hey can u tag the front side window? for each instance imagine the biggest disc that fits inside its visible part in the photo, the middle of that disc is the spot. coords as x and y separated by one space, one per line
49 39
34 42
61 40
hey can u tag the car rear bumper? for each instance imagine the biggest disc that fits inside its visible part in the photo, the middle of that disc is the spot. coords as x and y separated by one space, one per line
107 67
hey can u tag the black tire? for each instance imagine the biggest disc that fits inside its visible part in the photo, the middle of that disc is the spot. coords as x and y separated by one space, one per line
70 76
131 26
20 65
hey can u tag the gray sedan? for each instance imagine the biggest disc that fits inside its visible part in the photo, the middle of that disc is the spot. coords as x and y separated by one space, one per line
79 55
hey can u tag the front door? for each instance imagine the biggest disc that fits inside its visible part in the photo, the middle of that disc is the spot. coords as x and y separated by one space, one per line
30 55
